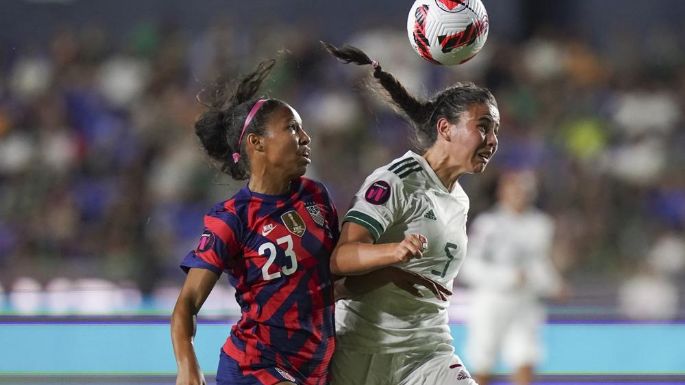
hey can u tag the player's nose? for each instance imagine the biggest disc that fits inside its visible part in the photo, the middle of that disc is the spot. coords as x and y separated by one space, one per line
304 138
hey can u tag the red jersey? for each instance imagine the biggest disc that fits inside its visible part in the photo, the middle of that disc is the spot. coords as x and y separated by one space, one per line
275 251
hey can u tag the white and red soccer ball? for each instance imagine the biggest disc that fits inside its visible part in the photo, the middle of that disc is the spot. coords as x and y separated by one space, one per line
447 31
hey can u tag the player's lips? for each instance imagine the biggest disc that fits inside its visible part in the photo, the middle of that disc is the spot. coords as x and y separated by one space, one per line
485 156
305 153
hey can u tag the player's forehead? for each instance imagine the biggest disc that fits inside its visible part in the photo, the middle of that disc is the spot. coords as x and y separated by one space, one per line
482 111
295 115
487 110
285 113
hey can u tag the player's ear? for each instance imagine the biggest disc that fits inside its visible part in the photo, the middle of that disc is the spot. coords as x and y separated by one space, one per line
444 128
256 141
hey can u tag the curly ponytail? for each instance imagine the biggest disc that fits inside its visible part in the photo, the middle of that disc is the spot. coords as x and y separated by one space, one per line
423 114
221 126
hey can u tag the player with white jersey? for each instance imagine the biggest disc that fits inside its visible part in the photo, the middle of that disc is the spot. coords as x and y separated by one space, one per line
509 269
406 197
410 214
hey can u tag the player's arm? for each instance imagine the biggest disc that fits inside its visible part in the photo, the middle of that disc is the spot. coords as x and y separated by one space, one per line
356 285
357 254
544 276
197 286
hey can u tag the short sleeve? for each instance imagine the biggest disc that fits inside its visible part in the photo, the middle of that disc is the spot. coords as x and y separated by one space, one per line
218 244
378 204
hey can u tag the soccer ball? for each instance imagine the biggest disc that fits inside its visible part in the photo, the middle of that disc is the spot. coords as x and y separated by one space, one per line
447 31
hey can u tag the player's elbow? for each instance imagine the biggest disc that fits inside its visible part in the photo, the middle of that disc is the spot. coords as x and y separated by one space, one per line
335 266
341 264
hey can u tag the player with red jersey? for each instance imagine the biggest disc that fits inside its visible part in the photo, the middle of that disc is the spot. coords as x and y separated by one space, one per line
273 239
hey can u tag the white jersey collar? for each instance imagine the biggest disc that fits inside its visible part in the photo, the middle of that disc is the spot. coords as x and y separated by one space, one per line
431 173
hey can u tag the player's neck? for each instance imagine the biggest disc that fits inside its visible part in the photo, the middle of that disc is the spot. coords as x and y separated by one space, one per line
268 186
447 173
513 207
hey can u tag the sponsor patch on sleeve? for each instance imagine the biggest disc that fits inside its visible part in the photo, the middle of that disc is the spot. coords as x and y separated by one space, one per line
206 241
378 193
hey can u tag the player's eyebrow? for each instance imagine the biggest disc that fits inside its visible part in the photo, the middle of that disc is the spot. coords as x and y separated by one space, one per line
489 119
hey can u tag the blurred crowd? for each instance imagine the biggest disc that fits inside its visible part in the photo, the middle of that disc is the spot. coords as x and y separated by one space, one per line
101 175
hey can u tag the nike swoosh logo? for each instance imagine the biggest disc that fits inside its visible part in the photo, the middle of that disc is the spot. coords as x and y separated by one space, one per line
267 230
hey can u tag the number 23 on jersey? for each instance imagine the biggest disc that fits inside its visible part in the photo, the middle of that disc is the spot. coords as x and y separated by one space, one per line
269 250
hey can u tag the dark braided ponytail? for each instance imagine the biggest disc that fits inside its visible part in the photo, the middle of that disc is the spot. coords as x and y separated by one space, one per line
220 127
422 114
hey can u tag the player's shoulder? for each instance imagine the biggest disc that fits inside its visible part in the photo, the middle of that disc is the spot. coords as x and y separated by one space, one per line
316 190
312 185
397 173
223 220
227 211
406 169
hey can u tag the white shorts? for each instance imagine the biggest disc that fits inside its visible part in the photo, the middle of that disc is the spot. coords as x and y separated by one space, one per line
503 325
410 368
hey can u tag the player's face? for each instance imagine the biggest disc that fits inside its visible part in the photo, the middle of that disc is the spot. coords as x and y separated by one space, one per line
517 190
474 139
286 144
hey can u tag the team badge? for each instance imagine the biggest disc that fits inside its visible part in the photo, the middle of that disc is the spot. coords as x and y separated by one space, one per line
378 193
206 241
316 215
294 223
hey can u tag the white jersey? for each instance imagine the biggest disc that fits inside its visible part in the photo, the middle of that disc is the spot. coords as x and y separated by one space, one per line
504 246
401 198
508 269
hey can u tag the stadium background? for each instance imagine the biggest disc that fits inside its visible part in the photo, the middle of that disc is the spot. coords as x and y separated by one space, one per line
103 184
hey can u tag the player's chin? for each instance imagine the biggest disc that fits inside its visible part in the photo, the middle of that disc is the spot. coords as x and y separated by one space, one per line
478 167
301 168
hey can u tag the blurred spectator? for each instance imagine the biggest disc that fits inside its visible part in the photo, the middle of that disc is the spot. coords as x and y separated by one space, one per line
667 256
652 292
648 295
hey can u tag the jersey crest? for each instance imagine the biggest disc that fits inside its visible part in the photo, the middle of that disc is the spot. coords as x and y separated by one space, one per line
315 212
294 223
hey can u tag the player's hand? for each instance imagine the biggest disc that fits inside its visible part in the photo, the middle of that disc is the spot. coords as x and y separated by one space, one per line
407 281
412 246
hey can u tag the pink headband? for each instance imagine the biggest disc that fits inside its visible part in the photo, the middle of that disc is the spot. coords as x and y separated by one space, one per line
250 116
